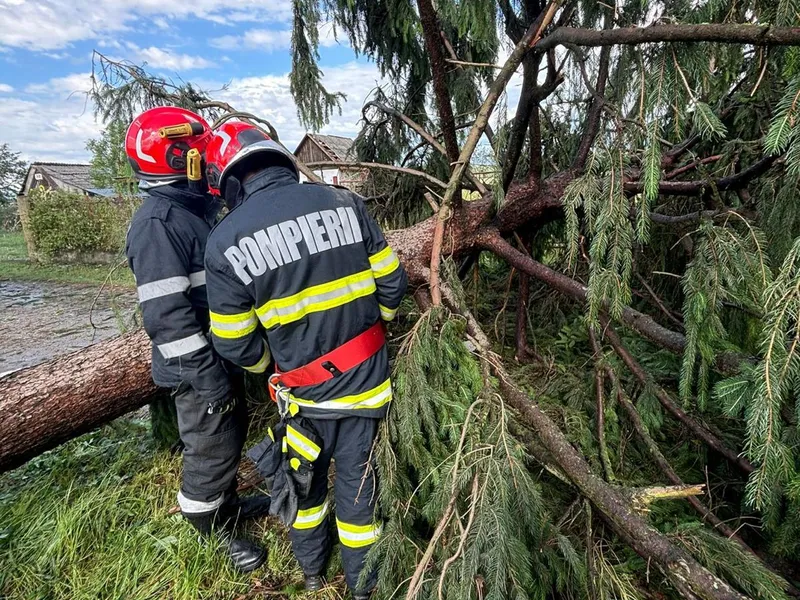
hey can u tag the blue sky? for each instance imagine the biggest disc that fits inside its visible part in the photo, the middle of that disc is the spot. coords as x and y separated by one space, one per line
45 60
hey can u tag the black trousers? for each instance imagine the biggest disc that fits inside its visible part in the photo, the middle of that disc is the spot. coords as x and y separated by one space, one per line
213 448
349 443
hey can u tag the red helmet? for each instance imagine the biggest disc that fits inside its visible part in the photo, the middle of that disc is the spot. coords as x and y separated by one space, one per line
157 142
232 143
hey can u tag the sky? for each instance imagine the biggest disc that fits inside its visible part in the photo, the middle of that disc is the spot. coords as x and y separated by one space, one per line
238 49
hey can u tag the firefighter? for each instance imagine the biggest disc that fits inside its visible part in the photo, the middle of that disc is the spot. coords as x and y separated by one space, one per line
165 247
303 275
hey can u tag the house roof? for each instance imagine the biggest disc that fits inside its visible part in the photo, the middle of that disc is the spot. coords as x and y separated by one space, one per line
336 146
71 174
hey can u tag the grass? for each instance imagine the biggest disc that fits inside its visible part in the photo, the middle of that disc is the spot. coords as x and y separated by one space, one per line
16 266
91 520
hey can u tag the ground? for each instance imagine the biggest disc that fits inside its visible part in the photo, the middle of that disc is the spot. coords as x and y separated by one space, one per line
15 266
96 518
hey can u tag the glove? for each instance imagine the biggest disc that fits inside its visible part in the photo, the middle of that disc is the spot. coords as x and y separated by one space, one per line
284 497
303 448
268 455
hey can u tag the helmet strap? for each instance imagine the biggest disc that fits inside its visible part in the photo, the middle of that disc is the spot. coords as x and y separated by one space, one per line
233 192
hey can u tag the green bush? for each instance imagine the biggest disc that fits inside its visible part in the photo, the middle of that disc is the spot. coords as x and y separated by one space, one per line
70 222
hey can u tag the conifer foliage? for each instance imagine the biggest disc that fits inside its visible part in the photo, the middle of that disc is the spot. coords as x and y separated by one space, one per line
629 169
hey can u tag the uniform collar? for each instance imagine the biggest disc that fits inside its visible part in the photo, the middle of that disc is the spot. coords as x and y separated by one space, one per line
276 176
202 205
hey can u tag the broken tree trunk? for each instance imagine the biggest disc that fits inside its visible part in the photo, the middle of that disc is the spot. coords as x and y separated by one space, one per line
51 403
46 405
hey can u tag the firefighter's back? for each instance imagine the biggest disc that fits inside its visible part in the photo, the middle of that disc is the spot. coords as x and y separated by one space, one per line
300 251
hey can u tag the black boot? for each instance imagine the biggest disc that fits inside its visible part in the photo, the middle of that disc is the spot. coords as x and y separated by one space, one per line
362 595
314 583
244 554
239 509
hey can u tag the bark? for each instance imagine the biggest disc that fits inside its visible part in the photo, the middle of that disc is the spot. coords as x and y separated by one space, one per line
728 33
435 48
46 405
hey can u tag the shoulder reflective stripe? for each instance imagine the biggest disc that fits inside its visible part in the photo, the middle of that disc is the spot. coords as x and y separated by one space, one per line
384 262
183 346
163 287
197 506
261 365
233 326
139 152
197 279
315 299
374 398
310 517
387 314
358 536
304 446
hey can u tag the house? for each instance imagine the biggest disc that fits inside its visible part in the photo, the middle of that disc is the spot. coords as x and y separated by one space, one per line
70 177
315 148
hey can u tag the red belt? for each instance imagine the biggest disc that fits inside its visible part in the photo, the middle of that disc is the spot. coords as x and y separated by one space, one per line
347 356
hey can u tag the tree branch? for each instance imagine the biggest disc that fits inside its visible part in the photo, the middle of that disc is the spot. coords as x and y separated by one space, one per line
324 164
594 118
421 132
692 188
670 406
434 45
728 33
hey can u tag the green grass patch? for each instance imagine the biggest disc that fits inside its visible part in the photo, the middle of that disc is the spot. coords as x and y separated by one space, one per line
15 266
91 520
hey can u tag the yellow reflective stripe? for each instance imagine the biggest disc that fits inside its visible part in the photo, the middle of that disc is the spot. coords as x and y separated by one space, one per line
387 314
310 517
315 299
371 399
233 326
261 365
384 262
358 536
304 446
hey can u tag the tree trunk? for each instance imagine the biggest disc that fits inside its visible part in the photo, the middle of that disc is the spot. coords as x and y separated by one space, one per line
48 404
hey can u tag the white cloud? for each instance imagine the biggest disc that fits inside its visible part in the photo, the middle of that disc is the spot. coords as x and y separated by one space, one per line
161 58
5 88
269 97
54 123
51 129
328 35
55 24
74 84
267 40
270 40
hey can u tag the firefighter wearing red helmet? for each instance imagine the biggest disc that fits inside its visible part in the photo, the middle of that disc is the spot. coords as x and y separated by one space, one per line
165 247
303 275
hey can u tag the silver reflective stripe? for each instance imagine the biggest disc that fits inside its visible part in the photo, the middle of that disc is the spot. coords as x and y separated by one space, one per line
197 506
197 279
386 262
261 365
183 346
163 287
312 303
310 517
238 325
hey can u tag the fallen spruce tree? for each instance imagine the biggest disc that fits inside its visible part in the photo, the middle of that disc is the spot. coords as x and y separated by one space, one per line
638 214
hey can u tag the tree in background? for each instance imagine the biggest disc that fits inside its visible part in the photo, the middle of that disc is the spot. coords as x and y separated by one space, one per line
110 167
627 285
12 172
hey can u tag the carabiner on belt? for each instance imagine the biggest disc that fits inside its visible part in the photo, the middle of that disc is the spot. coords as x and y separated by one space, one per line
280 393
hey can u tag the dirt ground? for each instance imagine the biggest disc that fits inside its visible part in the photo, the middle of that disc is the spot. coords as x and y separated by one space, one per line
43 320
